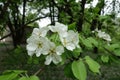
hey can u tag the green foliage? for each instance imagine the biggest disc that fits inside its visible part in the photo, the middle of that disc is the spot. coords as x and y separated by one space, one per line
15 75
89 42
93 65
105 58
68 71
11 74
79 70
29 78
72 26
76 53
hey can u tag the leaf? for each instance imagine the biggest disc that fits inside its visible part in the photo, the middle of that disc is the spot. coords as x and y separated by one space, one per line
10 76
117 52
24 78
93 65
105 58
112 47
79 70
87 43
34 78
76 52
93 41
29 78
72 26
68 70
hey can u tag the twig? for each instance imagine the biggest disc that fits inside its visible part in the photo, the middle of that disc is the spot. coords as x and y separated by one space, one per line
40 70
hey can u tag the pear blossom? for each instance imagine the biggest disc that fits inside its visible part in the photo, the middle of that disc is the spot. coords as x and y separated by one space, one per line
60 28
71 40
104 36
37 45
54 54
40 31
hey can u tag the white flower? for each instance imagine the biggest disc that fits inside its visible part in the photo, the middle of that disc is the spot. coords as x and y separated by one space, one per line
37 45
104 35
71 40
60 28
54 54
40 31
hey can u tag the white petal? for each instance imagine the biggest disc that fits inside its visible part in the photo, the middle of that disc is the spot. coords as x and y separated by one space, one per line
31 46
38 52
48 60
63 34
52 44
61 26
52 28
32 39
44 31
56 59
59 50
40 31
70 46
30 53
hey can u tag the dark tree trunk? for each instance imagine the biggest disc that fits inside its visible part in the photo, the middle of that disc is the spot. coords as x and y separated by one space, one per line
81 19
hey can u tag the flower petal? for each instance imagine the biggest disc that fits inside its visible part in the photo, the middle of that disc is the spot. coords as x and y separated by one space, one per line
56 59
70 46
38 52
30 53
59 50
48 60
31 47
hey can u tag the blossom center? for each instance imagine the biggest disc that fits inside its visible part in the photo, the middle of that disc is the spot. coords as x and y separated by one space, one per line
52 51
40 45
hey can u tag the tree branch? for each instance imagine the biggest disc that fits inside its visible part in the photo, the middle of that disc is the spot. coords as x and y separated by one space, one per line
36 19
23 26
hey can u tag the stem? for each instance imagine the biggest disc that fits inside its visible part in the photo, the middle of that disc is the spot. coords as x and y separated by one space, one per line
40 70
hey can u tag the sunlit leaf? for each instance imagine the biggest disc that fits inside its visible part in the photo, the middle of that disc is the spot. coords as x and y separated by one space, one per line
79 70
93 65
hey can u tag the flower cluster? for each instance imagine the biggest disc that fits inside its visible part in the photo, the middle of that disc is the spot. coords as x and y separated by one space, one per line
103 35
38 43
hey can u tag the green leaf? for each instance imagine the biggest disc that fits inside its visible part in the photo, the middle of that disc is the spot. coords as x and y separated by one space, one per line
87 43
72 26
79 70
93 65
112 47
24 78
34 78
76 52
93 41
117 52
10 76
105 58
29 78
68 70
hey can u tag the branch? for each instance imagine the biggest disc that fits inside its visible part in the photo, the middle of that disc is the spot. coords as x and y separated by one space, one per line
23 17
22 27
36 19
5 36
40 70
